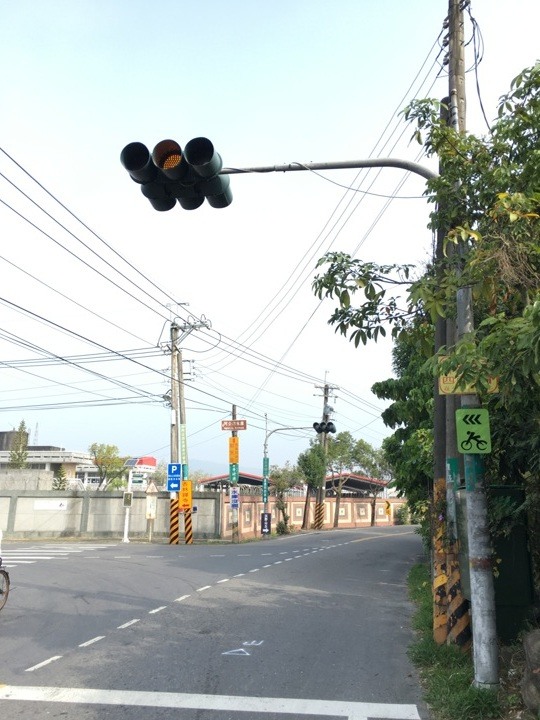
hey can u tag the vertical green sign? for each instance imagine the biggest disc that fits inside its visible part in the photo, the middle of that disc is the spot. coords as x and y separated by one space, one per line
233 473
266 467
473 433
265 490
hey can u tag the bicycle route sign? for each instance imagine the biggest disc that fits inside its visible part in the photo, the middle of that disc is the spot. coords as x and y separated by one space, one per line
473 433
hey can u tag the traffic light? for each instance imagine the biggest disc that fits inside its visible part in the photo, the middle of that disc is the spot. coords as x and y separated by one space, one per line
169 175
324 427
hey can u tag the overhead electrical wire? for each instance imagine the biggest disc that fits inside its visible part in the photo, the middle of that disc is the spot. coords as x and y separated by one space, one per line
306 261
238 347
228 343
400 184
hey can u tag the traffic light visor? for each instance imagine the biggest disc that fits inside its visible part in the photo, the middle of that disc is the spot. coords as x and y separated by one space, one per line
136 158
201 155
167 156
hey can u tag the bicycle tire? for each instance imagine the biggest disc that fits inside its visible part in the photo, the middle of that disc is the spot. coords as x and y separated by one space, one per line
4 587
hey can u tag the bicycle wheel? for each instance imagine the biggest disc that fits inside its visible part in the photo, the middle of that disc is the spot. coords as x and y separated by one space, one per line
4 587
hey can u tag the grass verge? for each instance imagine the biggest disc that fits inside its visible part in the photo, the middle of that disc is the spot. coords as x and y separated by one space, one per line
447 673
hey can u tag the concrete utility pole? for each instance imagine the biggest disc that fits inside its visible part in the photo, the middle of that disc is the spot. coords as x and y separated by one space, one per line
323 439
175 424
178 425
457 609
485 648
234 510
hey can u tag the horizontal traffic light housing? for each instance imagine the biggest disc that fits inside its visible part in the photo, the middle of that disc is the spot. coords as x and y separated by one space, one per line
169 174
324 427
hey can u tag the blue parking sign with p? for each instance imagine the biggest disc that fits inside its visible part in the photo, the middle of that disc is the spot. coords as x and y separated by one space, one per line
174 475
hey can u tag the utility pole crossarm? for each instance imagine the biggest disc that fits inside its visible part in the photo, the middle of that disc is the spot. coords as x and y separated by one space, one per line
408 165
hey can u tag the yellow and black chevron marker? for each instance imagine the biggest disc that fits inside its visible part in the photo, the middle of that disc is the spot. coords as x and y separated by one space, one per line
440 599
459 619
173 523
319 515
188 527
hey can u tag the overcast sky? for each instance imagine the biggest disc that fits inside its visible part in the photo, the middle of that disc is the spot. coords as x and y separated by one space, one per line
89 286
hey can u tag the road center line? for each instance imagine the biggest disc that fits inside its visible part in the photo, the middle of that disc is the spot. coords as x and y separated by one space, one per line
223 581
128 624
92 641
203 588
181 598
42 664
156 610
224 703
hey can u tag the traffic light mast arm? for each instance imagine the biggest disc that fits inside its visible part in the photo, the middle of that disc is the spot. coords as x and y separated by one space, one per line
281 429
339 165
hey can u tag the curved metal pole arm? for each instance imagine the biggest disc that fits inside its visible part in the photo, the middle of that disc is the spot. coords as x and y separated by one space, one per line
413 167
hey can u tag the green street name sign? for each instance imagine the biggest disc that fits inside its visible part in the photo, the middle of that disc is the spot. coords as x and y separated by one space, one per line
473 433
233 473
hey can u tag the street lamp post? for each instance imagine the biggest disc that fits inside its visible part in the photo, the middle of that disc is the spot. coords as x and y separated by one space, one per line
266 460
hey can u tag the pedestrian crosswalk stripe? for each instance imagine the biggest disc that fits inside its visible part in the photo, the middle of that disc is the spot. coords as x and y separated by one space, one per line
224 703
30 555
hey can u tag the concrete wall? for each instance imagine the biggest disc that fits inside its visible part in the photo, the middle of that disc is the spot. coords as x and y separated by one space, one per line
26 479
94 514
353 512
35 513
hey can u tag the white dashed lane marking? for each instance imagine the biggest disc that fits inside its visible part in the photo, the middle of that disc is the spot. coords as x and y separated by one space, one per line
128 624
92 641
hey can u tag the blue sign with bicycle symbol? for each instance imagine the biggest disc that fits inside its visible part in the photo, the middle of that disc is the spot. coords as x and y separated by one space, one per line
473 432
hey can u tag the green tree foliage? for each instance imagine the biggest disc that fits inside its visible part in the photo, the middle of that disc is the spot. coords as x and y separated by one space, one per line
312 466
282 479
409 450
346 456
110 466
60 479
487 200
18 454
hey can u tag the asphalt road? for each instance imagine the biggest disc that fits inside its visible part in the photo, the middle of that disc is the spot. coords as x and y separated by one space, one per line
313 625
